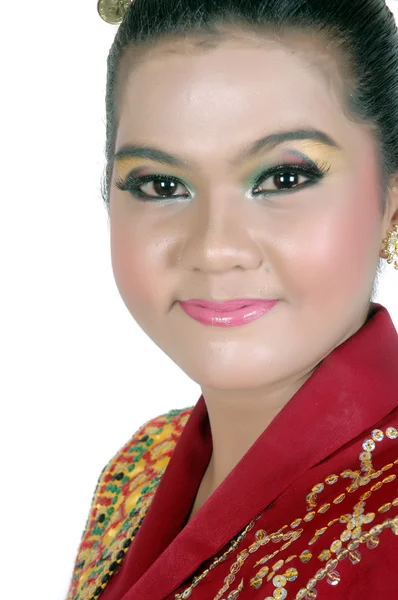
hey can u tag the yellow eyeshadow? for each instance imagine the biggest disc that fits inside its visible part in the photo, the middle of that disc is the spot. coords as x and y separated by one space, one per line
315 151
123 166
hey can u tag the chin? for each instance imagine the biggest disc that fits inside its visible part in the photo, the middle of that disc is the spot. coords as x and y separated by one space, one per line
230 378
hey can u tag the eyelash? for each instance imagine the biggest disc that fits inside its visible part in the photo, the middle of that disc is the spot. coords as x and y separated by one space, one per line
132 184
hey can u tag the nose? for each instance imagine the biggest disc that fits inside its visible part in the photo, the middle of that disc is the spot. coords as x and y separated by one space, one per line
217 240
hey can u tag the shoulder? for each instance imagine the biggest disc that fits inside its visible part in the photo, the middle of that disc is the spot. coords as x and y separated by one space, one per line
148 450
132 474
163 428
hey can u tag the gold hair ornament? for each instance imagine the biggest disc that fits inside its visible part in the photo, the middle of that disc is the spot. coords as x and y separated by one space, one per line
113 11
390 249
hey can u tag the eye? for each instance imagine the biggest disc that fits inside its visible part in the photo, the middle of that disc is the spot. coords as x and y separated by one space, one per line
155 187
286 177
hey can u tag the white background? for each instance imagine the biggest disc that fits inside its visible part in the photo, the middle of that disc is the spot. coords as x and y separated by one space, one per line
78 376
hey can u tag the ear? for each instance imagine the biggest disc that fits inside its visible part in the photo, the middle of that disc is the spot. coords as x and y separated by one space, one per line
393 212
391 216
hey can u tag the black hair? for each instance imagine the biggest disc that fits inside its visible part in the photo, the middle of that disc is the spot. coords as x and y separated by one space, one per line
362 35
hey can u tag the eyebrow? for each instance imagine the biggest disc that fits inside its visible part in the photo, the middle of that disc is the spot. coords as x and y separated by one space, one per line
266 143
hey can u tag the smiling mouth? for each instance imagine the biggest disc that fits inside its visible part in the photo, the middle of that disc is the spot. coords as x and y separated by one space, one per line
227 314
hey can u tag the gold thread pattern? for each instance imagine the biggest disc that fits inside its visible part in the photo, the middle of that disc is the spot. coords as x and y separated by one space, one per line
344 546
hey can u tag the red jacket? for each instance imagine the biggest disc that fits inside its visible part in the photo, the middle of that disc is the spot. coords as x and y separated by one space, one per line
321 482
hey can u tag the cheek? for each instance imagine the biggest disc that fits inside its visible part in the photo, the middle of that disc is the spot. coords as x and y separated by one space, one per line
133 266
356 235
337 251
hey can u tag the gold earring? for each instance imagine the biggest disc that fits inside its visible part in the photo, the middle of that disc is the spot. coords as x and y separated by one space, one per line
390 249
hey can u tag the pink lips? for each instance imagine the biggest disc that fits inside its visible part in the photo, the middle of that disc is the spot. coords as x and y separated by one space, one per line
227 314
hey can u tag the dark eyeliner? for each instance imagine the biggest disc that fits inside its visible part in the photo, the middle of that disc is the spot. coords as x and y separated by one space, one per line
315 170
132 184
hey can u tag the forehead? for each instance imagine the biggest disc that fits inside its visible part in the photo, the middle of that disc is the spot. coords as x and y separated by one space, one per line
212 92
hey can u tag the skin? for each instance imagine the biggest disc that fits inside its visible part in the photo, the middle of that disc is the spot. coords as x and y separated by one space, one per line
315 248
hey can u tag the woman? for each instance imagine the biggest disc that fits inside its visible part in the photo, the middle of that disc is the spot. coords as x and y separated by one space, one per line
251 186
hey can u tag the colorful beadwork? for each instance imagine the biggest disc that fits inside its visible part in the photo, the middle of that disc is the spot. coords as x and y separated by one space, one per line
121 499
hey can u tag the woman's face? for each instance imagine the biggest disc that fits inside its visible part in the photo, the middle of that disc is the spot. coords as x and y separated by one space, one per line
231 229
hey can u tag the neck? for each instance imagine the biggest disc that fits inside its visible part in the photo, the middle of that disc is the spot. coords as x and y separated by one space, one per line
236 422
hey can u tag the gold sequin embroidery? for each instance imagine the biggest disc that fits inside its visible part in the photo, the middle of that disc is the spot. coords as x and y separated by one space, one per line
345 546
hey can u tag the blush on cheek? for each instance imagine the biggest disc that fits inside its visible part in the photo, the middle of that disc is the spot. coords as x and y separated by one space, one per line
336 246
360 224
352 239
131 276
